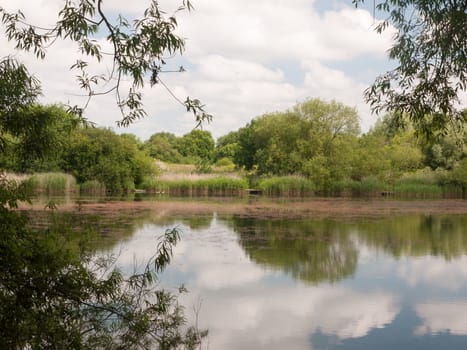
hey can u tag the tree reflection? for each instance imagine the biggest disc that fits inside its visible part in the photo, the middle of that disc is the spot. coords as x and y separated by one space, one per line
315 251
417 235
311 251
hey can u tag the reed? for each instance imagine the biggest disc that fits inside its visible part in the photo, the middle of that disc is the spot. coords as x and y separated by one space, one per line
52 183
286 186
92 187
196 185
369 186
423 183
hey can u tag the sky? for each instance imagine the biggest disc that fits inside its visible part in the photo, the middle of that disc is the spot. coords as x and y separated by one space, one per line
243 58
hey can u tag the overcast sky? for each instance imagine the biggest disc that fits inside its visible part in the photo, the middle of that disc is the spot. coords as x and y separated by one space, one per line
243 58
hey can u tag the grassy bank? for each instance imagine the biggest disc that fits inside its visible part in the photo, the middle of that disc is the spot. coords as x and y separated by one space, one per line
423 184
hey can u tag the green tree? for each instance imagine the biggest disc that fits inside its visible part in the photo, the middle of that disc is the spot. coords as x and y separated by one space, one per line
163 146
226 146
50 295
50 127
99 154
430 48
197 145
316 138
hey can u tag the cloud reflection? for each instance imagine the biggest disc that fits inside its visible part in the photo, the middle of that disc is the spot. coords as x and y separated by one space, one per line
272 318
442 317
435 272
248 306
251 307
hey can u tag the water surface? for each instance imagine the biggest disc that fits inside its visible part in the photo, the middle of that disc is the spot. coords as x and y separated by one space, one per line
380 283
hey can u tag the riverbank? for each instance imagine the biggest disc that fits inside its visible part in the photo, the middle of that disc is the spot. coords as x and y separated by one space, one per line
314 207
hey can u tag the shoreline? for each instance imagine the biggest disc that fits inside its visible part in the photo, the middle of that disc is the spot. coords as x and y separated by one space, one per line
314 207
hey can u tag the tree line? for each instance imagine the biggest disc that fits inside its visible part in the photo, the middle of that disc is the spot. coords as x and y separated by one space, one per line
316 139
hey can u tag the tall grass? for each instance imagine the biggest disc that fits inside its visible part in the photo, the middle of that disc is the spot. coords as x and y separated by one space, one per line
369 186
286 186
52 183
92 187
196 185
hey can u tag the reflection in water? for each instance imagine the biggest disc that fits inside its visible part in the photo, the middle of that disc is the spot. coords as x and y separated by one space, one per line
313 284
310 250
417 235
434 272
442 317
249 307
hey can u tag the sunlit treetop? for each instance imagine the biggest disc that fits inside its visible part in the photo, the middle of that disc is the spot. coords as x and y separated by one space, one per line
430 46
139 50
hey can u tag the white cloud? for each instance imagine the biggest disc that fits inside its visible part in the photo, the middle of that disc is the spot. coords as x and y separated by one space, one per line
442 317
234 51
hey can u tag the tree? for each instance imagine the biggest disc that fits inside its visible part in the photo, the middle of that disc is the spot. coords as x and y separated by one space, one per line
139 50
430 46
53 294
113 160
315 139
226 146
163 146
39 144
197 145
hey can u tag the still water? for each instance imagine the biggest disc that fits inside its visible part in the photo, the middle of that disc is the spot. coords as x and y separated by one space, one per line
379 283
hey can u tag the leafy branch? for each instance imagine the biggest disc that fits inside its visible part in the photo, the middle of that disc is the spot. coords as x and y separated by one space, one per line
139 50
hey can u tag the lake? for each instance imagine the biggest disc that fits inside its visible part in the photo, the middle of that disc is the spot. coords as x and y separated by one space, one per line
312 282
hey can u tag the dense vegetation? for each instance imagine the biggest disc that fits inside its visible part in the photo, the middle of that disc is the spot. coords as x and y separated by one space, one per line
316 147
320 141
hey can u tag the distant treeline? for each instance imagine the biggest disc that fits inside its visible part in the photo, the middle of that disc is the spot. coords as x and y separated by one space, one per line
315 147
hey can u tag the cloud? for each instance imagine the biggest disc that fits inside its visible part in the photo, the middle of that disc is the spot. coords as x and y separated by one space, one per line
239 57
442 317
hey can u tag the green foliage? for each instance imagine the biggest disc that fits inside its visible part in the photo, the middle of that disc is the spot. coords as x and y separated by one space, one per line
139 48
225 164
209 186
52 183
55 294
101 155
163 146
286 186
38 146
92 187
431 72
315 139
194 147
458 176
197 144
203 166
226 146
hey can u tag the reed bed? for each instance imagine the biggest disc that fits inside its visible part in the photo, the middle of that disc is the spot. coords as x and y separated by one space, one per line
370 186
92 187
196 185
286 186
52 183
